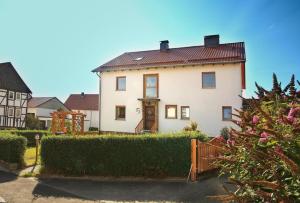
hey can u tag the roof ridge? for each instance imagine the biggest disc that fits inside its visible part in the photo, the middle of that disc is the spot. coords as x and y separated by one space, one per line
184 47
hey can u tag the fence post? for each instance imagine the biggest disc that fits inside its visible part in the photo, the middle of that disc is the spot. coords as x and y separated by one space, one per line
194 159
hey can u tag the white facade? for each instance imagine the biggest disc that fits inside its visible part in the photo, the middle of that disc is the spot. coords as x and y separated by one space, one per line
43 111
181 86
13 106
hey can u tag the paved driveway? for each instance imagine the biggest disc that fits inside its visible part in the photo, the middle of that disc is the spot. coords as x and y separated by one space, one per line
14 189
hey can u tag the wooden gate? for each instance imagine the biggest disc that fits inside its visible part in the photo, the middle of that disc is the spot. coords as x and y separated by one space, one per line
203 154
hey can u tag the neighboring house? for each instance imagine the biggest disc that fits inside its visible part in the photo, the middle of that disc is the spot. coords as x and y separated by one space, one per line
87 104
164 90
14 96
42 107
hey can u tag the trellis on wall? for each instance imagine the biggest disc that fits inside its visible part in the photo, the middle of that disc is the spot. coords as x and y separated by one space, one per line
58 125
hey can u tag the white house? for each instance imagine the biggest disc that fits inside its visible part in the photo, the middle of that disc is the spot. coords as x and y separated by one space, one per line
88 105
42 107
14 96
164 90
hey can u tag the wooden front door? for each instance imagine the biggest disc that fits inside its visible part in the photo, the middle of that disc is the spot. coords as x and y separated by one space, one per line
149 115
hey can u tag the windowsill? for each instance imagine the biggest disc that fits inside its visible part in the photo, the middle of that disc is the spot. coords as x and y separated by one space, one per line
170 118
185 119
120 90
209 88
227 119
120 119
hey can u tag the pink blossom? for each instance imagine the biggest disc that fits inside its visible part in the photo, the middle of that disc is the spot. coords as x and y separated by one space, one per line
291 118
220 138
278 149
255 119
230 142
263 139
293 111
264 135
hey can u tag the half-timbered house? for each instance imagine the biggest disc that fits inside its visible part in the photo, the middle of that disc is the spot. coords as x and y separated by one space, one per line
14 96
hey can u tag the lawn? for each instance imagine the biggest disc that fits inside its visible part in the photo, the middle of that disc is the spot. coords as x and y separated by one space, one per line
30 156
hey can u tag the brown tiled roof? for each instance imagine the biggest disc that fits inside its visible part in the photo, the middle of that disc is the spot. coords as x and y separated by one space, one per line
223 53
82 102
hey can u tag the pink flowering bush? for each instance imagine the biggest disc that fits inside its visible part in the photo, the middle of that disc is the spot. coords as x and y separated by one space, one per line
262 158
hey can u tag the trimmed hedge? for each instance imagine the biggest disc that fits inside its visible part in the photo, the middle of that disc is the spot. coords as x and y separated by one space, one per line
12 148
28 134
150 155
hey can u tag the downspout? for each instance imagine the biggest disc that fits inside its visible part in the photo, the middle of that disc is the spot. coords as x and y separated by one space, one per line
99 101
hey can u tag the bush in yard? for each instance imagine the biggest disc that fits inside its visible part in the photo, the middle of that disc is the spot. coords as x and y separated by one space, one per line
263 158
28 134
32 122
12 148
149 155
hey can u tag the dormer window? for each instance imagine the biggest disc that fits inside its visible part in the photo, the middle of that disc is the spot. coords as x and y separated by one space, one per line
138 58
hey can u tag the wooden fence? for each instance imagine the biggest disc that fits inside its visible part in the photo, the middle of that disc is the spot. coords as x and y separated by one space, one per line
203 154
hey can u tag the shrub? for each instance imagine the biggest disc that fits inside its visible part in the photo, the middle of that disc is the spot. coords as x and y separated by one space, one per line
191 127
225 133
263 158
149 155
32 122
28 134
12 148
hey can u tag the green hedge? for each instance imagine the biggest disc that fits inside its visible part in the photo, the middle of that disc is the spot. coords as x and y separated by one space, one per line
28 134
154 155
12 148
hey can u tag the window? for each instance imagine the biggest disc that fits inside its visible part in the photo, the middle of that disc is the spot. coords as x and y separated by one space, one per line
208 80
18 96
11 95
10 112
18 113
151 86
121 83
226 113
120 112
185 112
171 111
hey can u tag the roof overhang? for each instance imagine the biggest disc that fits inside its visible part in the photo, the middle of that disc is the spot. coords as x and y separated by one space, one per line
142 67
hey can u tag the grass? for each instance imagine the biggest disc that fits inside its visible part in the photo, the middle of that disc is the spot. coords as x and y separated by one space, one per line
29 157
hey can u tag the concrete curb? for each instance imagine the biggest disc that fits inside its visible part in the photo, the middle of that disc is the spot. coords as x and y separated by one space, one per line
113 179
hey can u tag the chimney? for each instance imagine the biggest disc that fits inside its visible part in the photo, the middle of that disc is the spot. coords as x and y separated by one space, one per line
82 94
211 40
164 45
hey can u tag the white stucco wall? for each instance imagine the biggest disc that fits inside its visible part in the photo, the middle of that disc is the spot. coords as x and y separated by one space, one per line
91 119
177 86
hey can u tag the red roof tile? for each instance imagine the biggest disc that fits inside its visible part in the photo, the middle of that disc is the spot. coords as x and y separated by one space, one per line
82 102
223 53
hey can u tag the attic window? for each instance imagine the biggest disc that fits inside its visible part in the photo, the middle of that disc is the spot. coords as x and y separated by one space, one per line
138 58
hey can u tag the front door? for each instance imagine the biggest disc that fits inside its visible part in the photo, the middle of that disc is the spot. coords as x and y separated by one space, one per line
149 117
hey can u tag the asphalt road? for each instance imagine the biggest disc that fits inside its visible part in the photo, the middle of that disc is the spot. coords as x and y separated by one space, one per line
17 189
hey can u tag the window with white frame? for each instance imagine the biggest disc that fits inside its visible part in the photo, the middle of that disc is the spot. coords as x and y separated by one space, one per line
18 95
185 112
10 112
18 113
11 95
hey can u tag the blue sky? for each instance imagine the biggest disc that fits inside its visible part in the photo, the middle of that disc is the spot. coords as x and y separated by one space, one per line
55 44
